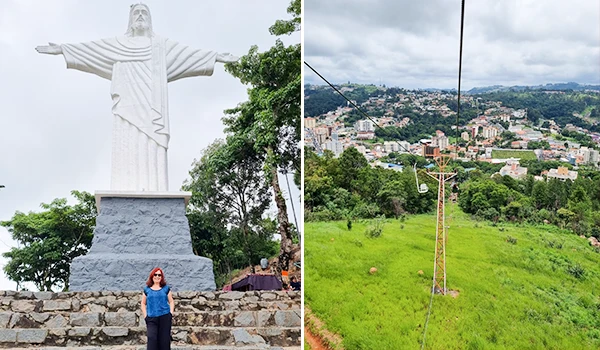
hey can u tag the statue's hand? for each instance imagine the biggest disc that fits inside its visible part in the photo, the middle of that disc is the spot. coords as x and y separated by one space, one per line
51 49
227 58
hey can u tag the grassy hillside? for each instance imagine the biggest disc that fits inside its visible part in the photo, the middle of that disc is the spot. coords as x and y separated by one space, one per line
540 293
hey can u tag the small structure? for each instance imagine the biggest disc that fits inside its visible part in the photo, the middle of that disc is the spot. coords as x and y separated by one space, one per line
513 169
562 173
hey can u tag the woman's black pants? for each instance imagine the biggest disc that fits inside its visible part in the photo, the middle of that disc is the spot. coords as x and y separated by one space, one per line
159 332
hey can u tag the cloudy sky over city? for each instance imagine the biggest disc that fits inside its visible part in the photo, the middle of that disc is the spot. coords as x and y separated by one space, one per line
415 44
57 123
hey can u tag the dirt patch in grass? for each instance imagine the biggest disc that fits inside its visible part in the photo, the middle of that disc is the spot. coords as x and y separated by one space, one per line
317 336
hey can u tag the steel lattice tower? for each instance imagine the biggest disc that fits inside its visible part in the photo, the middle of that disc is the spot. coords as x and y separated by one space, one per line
439 264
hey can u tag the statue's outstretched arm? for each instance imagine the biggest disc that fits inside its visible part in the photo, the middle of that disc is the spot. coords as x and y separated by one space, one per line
226 58
51 49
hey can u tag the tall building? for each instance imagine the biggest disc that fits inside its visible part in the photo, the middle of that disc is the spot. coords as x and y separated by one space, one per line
465 136
489 132
334 146
364 126
594 156
321 134
440 141
391 146
310 122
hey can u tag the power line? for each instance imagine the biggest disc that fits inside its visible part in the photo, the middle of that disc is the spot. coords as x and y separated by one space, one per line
352 103
462 20
462 25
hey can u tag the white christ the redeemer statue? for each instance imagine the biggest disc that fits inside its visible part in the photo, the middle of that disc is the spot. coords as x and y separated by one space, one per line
139 64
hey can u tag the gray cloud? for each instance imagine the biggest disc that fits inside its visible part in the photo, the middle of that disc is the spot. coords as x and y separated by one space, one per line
56 123
415 44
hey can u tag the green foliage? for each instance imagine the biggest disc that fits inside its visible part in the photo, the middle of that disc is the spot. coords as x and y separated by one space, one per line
271 116
554 106
505 154
376 228
323 101
422 126
49 241
511 239
504 289
229 198
287 27
347 186
576 271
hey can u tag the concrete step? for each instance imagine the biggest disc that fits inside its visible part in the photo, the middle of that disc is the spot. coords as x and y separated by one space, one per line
133 336
64 303
262 318
173 347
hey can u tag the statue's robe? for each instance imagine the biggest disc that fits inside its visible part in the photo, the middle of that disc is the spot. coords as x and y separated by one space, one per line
139 68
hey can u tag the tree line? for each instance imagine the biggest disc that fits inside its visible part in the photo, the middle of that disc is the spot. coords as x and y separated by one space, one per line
348 187
567 204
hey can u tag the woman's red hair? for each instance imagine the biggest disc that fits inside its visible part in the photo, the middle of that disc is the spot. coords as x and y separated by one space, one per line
150 281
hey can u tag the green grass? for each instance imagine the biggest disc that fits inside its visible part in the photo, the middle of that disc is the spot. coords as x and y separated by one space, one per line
504 154
512 296
587 110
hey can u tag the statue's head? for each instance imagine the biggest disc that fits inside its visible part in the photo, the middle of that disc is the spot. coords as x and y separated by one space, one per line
140 21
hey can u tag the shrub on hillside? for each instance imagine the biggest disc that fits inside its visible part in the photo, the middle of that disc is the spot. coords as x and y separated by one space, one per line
376 227
576 271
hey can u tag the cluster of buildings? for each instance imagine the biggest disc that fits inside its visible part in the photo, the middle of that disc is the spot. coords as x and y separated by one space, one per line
480 136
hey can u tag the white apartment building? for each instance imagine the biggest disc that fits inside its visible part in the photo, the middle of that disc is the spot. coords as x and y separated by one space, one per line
364 126
440 141
489 132
391 146
334 146
594 156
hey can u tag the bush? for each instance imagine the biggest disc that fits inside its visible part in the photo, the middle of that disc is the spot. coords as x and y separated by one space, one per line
553 244
365 211
576 271
595 232
375 230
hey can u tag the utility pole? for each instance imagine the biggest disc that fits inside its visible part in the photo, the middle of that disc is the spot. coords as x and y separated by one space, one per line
439 263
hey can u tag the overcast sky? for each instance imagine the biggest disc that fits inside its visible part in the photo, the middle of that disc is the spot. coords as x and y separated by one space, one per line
415 44
56 123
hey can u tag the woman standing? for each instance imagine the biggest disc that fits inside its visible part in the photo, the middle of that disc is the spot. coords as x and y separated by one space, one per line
157 308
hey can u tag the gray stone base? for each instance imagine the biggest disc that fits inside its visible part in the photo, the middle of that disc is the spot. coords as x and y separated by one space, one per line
129 272
135 235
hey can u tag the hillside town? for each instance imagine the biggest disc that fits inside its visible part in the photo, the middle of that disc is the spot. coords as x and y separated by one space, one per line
480 137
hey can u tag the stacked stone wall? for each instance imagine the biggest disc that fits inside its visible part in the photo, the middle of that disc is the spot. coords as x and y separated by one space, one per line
107 318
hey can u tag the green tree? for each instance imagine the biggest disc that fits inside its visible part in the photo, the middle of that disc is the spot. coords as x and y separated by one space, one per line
49 241
229 198
351 162
392 198
271 116
539 194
